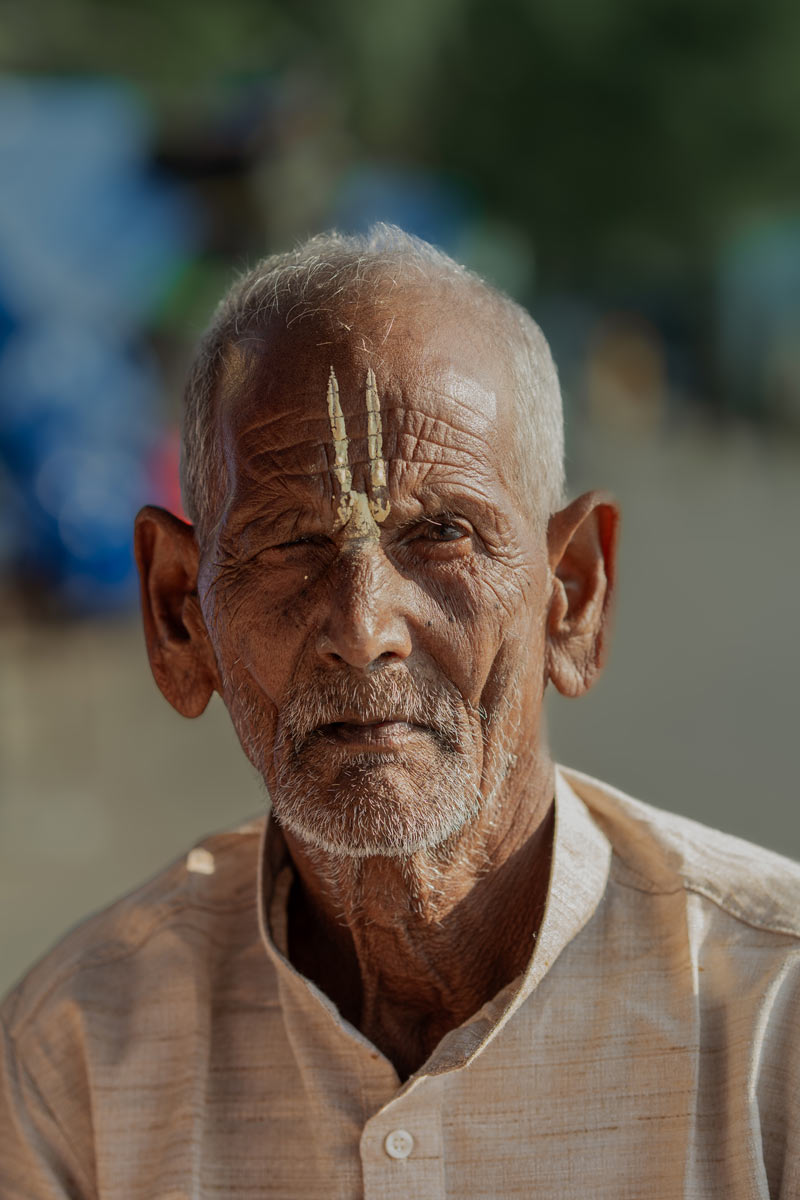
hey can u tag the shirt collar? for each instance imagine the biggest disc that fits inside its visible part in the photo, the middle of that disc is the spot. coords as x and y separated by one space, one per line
578 876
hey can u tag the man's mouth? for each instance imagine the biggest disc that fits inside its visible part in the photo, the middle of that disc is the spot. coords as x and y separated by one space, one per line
384 733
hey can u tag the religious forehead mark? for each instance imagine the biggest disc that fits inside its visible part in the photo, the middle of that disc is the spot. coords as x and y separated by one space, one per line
379 489
356 512
341 457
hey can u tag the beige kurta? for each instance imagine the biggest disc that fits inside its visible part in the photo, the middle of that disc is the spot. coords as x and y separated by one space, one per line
167 1048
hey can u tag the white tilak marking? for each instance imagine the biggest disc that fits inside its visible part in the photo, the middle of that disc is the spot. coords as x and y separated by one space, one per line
357 512
341 461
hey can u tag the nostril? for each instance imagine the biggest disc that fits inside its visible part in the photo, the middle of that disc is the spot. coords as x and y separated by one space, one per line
363 631
383 660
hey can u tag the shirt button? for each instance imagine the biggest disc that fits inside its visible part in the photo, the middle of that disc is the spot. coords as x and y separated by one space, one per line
398 1144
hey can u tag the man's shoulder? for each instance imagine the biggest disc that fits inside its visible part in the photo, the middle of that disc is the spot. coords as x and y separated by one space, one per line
212 885
660 851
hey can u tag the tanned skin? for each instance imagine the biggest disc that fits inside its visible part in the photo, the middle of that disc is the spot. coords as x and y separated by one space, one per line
464 587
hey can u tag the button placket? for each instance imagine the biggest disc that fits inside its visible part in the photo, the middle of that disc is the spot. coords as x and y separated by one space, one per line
401 1146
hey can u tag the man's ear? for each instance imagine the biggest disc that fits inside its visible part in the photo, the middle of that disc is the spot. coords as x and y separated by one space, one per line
581 545
181 656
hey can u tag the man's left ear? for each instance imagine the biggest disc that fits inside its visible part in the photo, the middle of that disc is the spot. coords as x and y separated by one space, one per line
581 546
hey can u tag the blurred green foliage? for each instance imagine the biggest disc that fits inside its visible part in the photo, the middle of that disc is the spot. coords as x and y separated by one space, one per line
630 136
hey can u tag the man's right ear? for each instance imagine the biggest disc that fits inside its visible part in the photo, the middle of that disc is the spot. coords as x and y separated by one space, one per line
181 656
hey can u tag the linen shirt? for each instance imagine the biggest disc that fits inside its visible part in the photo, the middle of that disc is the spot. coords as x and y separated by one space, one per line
168 1049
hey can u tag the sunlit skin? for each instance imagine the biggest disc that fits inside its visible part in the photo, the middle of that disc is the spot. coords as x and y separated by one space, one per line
460 591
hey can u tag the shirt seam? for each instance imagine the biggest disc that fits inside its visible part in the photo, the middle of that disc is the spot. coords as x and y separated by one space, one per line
100 959
77 1167
708 894
652 889
746 919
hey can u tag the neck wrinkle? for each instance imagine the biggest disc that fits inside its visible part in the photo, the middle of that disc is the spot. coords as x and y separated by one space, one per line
415 946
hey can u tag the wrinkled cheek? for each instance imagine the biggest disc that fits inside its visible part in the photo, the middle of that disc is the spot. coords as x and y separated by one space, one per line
484 610
247 689
474 655
238 632
270 636
515 681
254 717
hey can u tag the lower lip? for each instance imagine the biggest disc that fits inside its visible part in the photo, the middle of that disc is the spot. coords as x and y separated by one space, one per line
384 735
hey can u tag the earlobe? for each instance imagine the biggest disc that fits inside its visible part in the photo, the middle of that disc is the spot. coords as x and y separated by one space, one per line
582 554
181 656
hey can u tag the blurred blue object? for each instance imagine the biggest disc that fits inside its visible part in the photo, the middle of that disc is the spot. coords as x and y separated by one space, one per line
63 381
77 423
90 241
83 226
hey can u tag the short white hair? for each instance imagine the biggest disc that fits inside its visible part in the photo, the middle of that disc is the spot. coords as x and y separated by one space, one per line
332 270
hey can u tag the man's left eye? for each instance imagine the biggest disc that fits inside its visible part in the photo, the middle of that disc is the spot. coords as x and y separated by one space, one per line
444 531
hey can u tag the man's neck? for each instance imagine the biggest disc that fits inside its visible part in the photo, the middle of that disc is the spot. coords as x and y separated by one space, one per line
409 948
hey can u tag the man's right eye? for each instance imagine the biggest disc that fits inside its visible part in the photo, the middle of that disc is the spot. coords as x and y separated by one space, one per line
311 539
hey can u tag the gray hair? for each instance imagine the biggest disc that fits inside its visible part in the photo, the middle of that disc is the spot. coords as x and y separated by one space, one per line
332 270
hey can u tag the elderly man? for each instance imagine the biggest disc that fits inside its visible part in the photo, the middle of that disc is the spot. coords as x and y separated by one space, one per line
444 968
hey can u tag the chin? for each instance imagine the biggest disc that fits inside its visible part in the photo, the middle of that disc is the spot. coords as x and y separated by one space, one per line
371 807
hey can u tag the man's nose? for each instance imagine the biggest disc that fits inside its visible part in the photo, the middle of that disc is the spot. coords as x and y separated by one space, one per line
364 626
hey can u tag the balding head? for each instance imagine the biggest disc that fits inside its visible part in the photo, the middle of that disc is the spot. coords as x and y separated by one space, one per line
355 286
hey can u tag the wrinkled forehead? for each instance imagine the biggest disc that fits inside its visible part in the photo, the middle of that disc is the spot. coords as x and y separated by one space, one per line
428 362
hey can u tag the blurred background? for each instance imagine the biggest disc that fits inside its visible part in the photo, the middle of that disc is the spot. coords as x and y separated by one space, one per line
629 170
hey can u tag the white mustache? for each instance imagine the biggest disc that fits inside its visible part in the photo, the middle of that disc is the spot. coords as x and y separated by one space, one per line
329 699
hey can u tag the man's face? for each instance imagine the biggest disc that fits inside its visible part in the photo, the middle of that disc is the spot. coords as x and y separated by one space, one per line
383 663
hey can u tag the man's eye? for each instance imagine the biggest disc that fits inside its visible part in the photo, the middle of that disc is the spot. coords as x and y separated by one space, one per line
310 539
295 550
444 531
443 537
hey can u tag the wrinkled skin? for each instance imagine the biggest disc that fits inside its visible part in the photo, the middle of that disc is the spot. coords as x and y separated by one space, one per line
388 687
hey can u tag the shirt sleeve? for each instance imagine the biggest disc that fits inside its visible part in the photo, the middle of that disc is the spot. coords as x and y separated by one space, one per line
776 1048
37 1161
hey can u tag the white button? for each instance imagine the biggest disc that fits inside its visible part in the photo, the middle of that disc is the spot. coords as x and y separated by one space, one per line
398 1144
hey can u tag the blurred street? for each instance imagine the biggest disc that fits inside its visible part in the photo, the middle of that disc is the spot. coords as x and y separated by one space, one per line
101 783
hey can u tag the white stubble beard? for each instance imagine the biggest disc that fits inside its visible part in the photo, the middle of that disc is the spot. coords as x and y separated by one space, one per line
392 806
